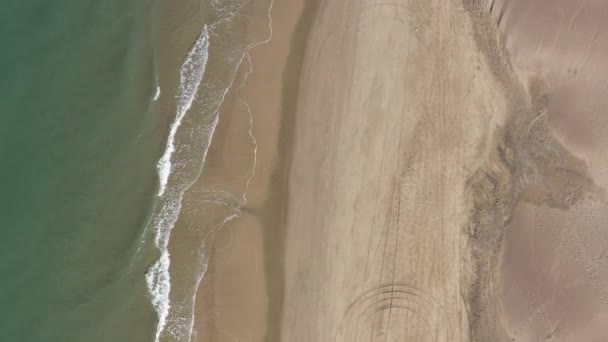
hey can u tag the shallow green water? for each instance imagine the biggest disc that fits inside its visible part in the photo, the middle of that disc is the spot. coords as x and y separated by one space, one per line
79 139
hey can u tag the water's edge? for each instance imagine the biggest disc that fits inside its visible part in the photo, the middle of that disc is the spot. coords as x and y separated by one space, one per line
181 165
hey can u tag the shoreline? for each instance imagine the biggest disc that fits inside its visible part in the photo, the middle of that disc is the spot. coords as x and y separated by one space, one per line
380 195
312 256
177 97
242 284
187 193
307 265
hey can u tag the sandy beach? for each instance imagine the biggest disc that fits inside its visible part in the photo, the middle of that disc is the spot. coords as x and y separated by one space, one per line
367 236
304 171
397 108
382 160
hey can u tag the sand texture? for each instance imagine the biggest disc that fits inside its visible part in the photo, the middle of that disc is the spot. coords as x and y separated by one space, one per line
420 174
553 268
240 296
395 111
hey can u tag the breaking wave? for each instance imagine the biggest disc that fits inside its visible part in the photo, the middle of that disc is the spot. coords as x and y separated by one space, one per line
158 278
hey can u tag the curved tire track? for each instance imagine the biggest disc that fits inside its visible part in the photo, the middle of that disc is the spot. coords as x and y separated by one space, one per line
363 312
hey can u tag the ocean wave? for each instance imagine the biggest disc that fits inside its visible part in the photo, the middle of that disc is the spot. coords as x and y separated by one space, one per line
176 316
190 77
157 93
158 277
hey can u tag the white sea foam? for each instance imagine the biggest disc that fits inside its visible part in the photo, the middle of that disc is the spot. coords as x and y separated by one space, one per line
190 77
157 94
158 278
172 320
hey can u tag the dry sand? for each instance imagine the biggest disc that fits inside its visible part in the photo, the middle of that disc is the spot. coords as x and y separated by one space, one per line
396 110
554 270
409 183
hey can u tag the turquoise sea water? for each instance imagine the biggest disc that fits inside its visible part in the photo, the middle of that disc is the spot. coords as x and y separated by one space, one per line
80 136
93 169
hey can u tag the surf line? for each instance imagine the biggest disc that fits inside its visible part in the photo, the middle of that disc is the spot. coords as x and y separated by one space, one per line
245 57
158 278
157 94
191 75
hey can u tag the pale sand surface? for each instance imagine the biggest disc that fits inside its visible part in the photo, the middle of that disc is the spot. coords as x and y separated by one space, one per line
554 268
390 163
396 109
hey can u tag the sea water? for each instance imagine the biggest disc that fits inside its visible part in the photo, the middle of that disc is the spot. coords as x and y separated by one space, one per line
96 153
80 137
